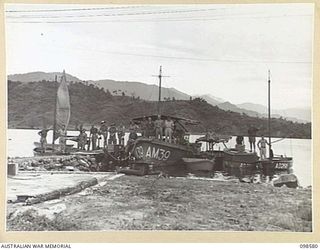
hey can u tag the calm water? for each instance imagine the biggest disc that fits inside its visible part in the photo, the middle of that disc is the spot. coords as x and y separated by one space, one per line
20 143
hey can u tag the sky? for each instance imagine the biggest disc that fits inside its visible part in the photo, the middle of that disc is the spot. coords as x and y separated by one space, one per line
221 50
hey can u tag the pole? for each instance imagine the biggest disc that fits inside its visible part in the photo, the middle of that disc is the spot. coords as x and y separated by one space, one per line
269 113
54 115
160 76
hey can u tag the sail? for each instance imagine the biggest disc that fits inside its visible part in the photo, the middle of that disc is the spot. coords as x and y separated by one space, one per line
62 107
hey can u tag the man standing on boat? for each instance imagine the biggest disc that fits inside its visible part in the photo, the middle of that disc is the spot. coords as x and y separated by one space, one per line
43 138
121 133
262 145
132 136
133 131
158 124
80 128
94 137
62 138
82 139
239 143
104 132
168 128
143 126
149 128
112 134
178 133
252 133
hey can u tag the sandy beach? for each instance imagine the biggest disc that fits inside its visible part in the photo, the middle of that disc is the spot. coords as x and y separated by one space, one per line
120 202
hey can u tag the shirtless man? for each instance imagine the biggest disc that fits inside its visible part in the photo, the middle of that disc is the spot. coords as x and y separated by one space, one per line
168 129
252 131
43 138
262 145
158 124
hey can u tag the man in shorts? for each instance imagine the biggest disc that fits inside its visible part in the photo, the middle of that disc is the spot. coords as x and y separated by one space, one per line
262 145
252 133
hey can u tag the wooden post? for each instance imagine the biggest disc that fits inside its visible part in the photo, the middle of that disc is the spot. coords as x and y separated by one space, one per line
269 113
54 115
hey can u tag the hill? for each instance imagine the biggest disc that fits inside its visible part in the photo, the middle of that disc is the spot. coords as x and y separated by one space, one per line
254 107
138 89
210 99
234 108
40 76
150 93
294 114
30 105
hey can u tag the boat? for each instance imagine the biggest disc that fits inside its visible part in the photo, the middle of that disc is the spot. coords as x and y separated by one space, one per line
61 122
151 155
198 164
278 163
234 161
238 161
211 139
154 155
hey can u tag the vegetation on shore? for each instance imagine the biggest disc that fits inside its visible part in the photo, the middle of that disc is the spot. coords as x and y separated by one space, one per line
30 105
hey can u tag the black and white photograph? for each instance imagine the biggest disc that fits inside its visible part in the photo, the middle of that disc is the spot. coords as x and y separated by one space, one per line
159 117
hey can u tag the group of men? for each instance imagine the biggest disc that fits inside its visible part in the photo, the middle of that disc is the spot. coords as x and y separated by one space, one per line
262 143
161 129
108 135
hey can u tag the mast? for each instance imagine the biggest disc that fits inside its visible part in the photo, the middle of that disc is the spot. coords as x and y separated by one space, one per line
159 101
55 114
160 76
269 113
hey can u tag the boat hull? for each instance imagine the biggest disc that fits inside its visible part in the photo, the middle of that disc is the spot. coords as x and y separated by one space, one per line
276 164
218 156
239 163
158 154
195 164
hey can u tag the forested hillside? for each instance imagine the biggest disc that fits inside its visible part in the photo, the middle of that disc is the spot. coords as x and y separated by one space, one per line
31 105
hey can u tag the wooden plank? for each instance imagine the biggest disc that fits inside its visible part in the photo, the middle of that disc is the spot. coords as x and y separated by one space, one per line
56 194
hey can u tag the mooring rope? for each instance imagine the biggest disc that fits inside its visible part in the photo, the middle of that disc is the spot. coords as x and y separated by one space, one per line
279 140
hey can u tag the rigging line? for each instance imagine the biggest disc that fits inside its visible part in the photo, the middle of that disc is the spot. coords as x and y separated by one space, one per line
291 148
226 17
75 9
121 14
248 13
161 20
279 140
193 58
